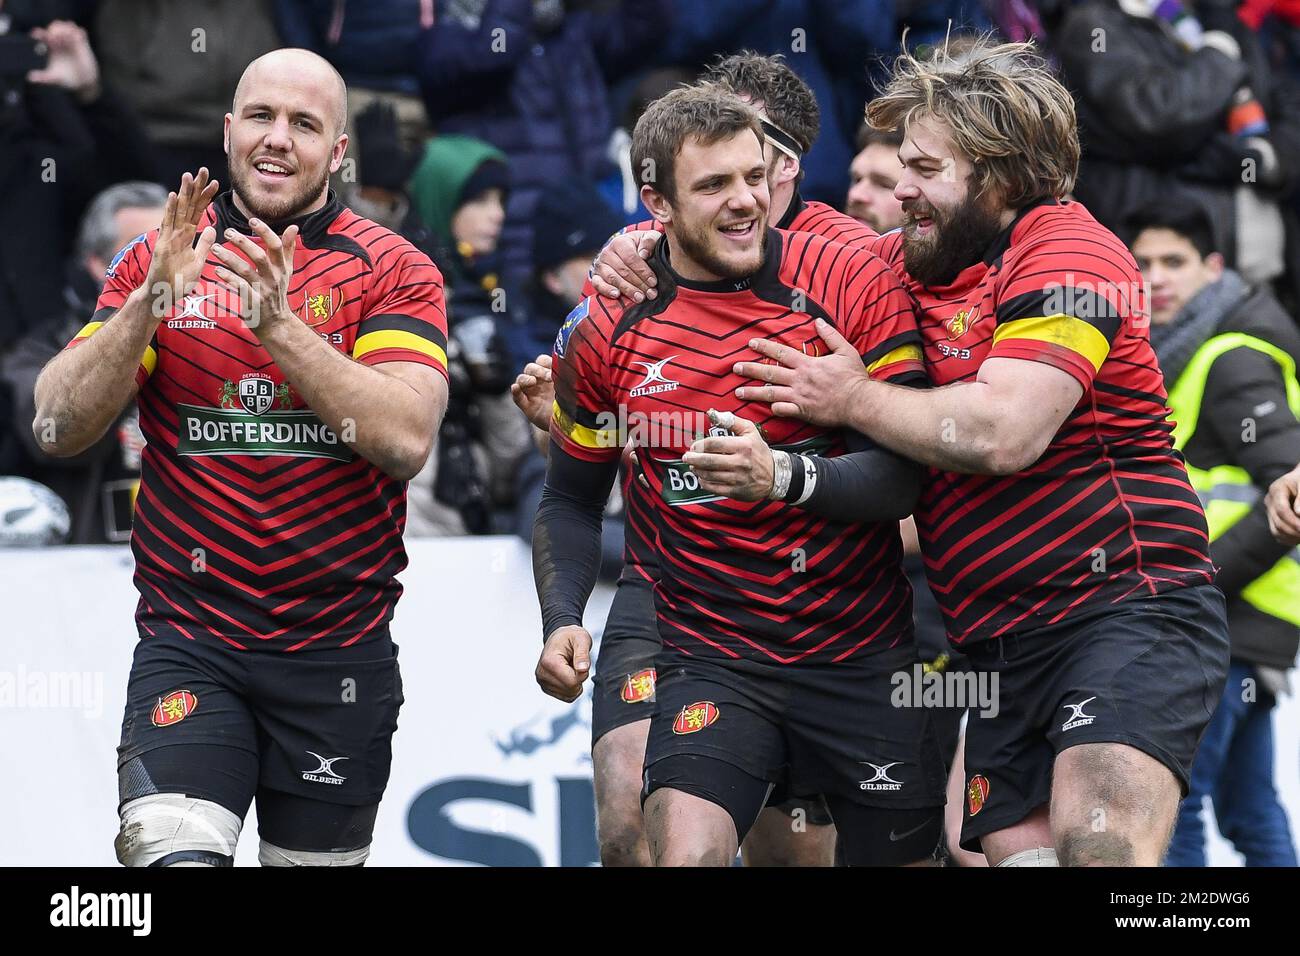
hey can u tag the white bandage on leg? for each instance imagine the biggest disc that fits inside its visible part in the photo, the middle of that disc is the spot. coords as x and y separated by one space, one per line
194 832
271 855
1039 856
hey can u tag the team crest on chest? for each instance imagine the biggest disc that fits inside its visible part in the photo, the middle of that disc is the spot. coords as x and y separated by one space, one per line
255 393
319 305
960 323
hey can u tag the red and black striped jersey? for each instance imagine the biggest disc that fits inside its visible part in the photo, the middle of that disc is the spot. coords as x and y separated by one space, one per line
761 580
256 526
812 217
1107 512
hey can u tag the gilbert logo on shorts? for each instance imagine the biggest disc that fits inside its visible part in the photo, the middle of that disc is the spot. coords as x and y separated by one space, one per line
977 793
639 686
1077 717
324 773
174 708
695 717
880 780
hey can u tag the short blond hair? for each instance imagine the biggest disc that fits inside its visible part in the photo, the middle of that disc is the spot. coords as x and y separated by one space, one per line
1007 113
705 111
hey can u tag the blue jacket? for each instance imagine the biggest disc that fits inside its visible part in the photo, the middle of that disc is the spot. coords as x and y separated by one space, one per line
538 95
374 44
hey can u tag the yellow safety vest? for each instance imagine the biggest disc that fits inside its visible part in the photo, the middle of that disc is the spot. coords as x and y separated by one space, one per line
1226 491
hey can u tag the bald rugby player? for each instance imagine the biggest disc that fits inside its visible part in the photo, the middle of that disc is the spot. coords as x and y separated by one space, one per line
288 358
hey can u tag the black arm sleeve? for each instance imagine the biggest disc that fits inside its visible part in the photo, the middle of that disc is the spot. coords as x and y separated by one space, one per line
566 536
869 483
1246 406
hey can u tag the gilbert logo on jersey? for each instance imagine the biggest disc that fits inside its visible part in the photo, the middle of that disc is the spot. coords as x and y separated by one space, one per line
243 423
655 381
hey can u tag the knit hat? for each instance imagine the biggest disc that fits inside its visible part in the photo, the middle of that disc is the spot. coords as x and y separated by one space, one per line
571 220
451 167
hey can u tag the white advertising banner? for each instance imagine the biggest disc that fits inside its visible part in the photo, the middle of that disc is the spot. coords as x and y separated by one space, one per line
486 769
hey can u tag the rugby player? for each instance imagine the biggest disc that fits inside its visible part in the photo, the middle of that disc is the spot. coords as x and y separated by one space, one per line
797 832
781 621
288 358
1061 534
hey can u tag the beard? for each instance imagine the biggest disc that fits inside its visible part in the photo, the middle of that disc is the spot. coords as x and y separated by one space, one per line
279 209
701 245
957 239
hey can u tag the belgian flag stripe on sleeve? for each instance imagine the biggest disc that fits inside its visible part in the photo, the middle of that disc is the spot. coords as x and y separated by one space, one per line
898 353
1083 305
148 361
400 332
87 331
1060 330
580 429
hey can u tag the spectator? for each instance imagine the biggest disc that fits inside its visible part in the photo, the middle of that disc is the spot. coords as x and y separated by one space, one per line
1178 96
99 484
64 135
1229 356
830 46
525 75
621 189
873 174
375 47
175 62
570 225
385 167
458 194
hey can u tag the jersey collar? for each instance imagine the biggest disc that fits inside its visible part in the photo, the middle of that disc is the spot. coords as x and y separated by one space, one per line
771 263
1002 242
312 227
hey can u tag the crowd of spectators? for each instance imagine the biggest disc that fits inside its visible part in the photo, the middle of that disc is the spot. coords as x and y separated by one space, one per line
494 134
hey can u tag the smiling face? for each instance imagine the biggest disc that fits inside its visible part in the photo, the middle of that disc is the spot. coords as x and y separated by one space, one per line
718 217
284 135
946 227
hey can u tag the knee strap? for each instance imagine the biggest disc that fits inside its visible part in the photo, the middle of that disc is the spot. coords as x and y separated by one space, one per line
1039 856
178 829
268 854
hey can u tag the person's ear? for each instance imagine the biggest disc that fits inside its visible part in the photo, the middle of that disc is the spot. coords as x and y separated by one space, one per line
657 203
788 171
1215 265
225 134
340 150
